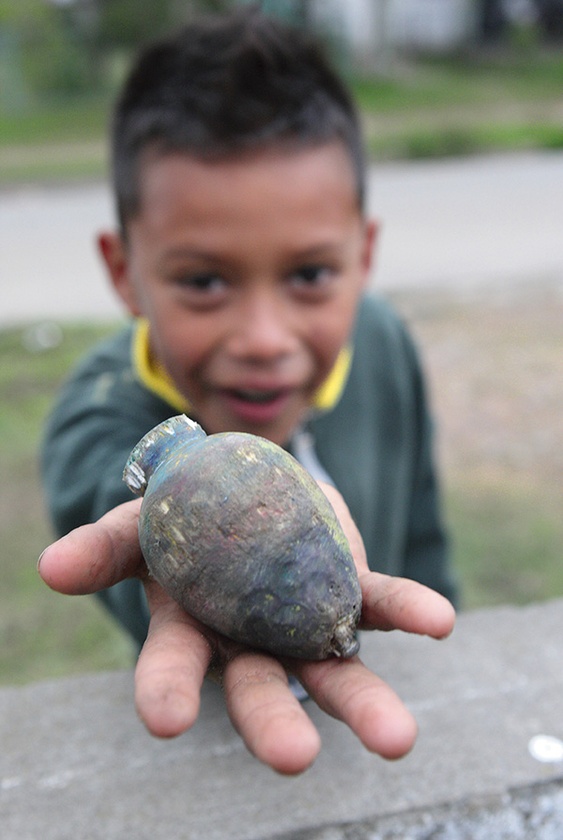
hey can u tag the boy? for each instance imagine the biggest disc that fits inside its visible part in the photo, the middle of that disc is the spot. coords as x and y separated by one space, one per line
242 254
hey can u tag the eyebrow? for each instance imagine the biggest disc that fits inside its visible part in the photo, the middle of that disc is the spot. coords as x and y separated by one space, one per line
308 252
320 249
187 251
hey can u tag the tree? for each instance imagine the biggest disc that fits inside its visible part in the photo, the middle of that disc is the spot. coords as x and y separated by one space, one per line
122 23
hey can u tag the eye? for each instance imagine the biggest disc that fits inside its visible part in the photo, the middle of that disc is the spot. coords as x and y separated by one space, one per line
312 275
199 290
205 283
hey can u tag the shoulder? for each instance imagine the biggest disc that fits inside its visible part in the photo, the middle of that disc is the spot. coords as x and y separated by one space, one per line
99 415
101 403
378 318
382 342
112 356
384 381
104 381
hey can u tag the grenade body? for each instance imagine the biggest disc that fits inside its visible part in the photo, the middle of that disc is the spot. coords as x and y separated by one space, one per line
240 535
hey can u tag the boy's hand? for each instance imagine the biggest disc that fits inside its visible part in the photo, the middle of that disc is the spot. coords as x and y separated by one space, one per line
179 651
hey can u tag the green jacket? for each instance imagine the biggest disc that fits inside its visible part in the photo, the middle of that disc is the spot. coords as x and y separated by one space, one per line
375 444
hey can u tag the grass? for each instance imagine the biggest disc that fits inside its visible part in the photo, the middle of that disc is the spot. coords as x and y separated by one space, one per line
54 140
43 634
55 121
507 540
443 107
494 368
467 80
457 140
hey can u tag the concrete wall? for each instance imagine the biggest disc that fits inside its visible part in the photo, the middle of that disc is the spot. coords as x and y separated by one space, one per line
76 763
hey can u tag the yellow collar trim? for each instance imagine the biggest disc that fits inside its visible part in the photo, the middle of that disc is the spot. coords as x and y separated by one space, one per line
151 373
329 393
156 379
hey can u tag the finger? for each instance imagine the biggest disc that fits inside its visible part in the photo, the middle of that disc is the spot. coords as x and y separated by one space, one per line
271 721
171 667
348 691
348 526
392 603
95 556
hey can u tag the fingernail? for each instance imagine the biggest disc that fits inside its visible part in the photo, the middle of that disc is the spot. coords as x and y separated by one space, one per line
40 558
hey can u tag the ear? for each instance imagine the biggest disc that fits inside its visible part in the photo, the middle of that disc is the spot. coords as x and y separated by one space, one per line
369 246
114 255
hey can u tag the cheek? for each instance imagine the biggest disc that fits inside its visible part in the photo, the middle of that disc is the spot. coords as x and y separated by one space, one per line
326 343
334 325
181 346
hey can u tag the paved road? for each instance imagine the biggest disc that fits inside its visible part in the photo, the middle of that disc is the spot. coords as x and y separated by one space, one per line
456 223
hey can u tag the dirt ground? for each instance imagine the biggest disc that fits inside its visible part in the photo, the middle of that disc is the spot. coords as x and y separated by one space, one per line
495 365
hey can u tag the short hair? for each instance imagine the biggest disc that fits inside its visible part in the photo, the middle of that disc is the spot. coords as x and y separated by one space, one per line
225 85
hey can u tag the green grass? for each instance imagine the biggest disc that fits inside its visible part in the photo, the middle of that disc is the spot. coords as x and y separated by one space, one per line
458 140
506 542
441 108
28 381
473 80
43 634
55 121
54 140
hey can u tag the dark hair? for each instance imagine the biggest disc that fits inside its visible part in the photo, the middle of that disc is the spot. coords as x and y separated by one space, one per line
225 85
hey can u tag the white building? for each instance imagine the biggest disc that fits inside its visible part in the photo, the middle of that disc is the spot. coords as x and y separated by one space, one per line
374 25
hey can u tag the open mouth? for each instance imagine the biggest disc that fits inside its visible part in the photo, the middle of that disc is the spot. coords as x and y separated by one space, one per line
257 405
257 397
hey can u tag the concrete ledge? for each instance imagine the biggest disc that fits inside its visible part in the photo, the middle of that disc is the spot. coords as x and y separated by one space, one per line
76 763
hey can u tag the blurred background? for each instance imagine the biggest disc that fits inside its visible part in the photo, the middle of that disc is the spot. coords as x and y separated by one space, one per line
462 104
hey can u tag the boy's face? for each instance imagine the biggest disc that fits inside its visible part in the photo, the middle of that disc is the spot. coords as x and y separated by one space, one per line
249 271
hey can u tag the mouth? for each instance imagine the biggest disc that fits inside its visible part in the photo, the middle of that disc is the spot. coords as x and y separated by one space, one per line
256 396
256 405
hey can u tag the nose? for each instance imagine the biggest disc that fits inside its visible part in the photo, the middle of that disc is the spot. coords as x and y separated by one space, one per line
263 331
